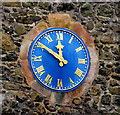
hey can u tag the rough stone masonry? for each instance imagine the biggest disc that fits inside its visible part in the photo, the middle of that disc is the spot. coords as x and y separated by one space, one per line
101 21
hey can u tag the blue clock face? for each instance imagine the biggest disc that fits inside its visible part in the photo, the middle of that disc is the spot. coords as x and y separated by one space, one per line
59 59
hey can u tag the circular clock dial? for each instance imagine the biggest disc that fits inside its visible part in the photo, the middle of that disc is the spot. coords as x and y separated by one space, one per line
59 59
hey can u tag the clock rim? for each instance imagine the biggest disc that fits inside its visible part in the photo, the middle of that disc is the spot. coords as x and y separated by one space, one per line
84 45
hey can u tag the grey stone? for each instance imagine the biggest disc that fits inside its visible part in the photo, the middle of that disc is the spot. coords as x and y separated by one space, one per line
106 39
87 10
115 90
106 99
100 80
20 29
11 86
7 42
104 71
115 76
116 100
105 10
117 69
76 101
113 83
90 25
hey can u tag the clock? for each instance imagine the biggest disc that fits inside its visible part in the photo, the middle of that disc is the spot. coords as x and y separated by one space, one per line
59 59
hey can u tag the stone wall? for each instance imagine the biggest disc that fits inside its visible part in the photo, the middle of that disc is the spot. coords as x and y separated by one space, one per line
101 20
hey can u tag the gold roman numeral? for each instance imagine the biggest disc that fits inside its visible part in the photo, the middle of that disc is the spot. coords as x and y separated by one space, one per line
48 79
48 38
78 72
39 58
71 81
59 84
70 40
59 36
82 61
78 49
40 70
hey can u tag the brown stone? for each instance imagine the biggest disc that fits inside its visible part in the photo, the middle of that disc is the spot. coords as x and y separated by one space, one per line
79 30
59 20
43 91
63 111
11 86
96 100
40 109
76 101
7 42
95 91
25 49
26 70
115 90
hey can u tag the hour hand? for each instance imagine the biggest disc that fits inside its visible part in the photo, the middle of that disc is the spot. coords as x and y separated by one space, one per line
61 59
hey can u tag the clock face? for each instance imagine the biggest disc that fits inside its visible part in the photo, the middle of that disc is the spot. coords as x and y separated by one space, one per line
59 59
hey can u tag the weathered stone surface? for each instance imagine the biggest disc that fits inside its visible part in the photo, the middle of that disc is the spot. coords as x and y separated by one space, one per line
104 71
117 69
18 79
13 104
40 109
43 91
59 20
87 10
26 71
106 99
7 10
79 30
25 49
96 100
100 80
105 10
11 86
115 76
12 4
51 108
113 83
76 101
20 29
116 100
105 55
7 42
115 28
65 7
95 90
115 90
36 97
63 111
21 97
106 39
36 30
30 104
44 5
90 25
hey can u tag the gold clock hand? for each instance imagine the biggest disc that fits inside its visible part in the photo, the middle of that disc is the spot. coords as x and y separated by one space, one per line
60 47
61 59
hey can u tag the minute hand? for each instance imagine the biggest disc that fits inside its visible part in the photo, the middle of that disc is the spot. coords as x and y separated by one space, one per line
52 52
